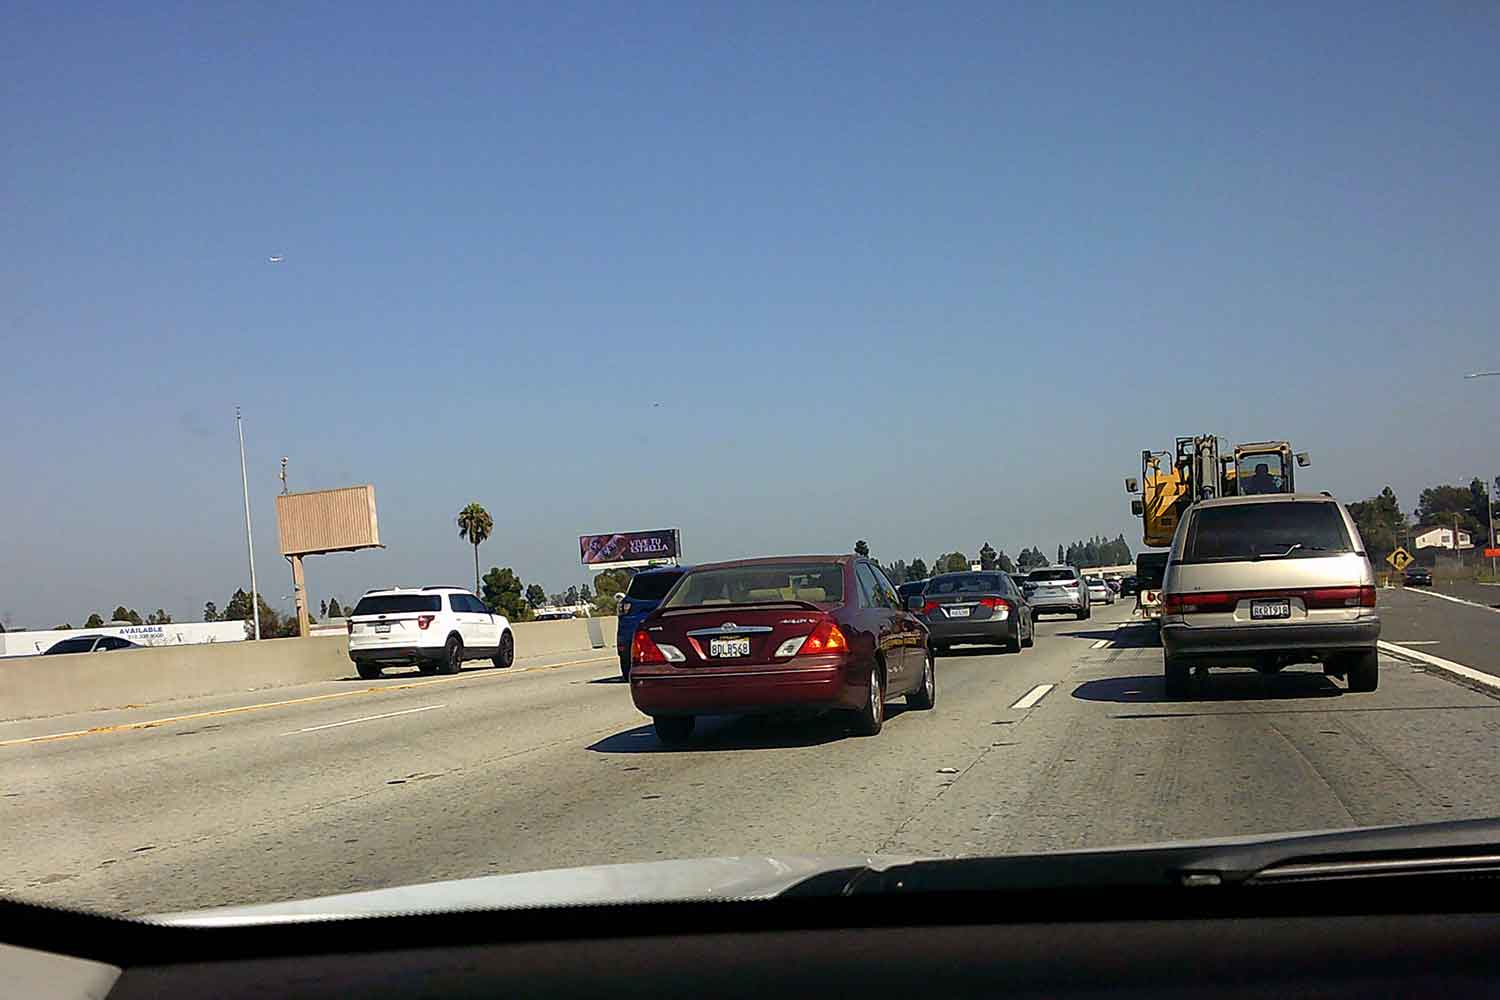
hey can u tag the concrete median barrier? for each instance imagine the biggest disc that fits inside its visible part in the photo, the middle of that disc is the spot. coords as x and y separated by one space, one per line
35 686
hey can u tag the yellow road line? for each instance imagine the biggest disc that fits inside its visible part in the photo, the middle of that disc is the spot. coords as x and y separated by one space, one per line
152 723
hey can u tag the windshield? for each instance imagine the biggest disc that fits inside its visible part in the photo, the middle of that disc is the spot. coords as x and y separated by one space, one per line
375 369
1250 531
819 583
1261 473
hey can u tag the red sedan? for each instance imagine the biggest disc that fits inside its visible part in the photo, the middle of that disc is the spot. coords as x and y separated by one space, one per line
788 633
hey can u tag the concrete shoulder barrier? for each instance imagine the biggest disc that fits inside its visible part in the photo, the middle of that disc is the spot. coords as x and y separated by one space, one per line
34 686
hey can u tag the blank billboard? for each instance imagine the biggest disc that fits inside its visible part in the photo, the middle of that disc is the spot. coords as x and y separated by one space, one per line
327 520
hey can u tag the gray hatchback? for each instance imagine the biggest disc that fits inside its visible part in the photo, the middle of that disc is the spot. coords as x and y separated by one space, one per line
1268 581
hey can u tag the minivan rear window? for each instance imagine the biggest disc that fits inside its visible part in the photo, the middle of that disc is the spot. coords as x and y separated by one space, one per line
651 586
1042 575
396 604
1266 531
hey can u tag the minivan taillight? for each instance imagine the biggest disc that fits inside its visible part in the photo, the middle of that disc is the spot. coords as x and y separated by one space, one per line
1340 597
1180 604
643 650
424 620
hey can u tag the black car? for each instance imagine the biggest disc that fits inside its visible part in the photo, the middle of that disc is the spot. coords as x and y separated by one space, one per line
90 644
910 589
1418 576
1128 586
985 608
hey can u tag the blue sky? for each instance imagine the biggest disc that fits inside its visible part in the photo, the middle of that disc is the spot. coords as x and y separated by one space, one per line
924 275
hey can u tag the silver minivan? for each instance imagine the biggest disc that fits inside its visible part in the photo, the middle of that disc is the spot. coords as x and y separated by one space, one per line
1268 581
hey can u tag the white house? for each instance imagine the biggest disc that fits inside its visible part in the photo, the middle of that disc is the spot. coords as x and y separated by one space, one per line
1442 538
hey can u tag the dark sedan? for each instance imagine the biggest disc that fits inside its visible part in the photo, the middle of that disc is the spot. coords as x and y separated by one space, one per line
1417 576
1129 586
791 633
984 608
90 644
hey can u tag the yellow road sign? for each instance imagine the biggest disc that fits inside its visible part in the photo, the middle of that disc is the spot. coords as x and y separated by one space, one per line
1399 559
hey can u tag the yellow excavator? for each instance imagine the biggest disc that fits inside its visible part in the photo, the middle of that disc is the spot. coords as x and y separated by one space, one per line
1172 481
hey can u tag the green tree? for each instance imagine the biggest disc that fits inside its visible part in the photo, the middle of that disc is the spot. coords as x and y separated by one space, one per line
159 617
210 612
237 609
1003 563
896 571
571 597
862 548
535 595
1061 558
953 562
475 526
323 608
94 621
1381 523
60 628
124 614
1438 506
335 609
986 556
502 594
916 571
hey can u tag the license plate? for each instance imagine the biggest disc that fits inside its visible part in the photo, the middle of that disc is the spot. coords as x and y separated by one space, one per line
724 648
382 629
958 612
1270 609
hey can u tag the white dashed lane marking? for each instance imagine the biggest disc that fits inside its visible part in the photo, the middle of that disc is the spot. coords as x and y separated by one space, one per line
1036 694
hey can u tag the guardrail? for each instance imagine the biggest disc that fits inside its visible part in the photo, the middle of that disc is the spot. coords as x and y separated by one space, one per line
36 686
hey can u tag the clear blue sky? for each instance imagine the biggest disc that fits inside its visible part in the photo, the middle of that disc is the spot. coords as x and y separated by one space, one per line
876 262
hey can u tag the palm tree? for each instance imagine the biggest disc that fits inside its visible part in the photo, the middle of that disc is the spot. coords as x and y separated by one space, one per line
474 526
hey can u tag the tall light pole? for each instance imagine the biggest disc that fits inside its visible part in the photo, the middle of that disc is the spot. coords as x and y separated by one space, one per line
1481 374
249 541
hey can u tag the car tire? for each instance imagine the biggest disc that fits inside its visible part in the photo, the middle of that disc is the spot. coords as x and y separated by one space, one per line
1013 645
625 667
506 654
453 656
1177 676
427 666
1030 639
368 671
673 730
925 696
1082 614
1363 671
869 719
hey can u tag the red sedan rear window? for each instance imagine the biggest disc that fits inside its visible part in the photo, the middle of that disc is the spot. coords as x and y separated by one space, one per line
818 583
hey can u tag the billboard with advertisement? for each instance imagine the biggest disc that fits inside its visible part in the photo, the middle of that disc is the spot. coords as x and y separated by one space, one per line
629 548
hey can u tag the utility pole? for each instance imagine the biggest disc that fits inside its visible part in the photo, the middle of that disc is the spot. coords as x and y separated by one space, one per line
1489 501
249 541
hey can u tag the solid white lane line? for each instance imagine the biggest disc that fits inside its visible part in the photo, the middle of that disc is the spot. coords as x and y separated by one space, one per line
1448 666
1417 642
1450 597
367 718
1033 696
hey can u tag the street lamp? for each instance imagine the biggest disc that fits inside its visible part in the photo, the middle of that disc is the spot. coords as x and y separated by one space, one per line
1480 374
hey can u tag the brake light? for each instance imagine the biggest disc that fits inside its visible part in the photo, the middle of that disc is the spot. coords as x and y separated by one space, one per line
827 637
995 603
1340 597
644 650
1179 604
424 620
928 607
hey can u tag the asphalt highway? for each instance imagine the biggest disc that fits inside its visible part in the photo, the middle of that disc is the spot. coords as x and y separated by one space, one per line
1073 743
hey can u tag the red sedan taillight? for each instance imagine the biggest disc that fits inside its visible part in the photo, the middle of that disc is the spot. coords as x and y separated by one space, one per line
424 620
827 637
643 650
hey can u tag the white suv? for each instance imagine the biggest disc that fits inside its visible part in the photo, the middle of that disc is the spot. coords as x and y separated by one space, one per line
436 628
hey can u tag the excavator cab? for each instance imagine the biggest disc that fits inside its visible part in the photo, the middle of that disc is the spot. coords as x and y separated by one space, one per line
1262 468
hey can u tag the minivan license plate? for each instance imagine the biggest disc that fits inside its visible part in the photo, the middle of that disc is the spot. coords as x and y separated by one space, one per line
723 648
1260 610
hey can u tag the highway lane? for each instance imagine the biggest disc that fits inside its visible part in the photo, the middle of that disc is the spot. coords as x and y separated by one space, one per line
494 772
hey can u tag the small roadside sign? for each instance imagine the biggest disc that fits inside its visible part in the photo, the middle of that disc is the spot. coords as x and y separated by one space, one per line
1399 559
1492 553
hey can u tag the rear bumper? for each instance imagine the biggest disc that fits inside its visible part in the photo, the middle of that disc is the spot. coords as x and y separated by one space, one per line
961 630
395 654
821 683
1301 641
1055 606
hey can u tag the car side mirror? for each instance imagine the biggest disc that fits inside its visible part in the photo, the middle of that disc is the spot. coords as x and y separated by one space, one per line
914 603
1137 508
1303 460
1132 485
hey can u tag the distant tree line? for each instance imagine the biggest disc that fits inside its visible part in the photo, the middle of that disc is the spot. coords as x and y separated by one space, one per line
1096 552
